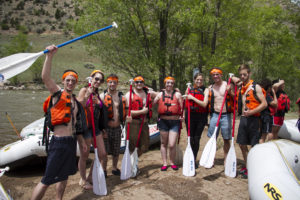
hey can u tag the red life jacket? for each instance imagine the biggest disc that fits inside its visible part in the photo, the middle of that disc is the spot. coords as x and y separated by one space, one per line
108 105
283 102
169 105
137 104
60 112
252 100
228 102
198 93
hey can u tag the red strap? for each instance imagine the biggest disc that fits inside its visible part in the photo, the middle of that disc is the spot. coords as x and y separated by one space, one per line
226 92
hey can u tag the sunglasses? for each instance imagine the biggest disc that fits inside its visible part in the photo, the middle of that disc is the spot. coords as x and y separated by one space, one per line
98 79
137 82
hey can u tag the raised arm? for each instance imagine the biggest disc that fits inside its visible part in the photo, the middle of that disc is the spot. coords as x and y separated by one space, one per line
46 72
278 85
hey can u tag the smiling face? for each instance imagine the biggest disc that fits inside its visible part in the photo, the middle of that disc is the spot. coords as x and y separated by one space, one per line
97 80
217 77
112 85
169 85
198 81
69 83
139 85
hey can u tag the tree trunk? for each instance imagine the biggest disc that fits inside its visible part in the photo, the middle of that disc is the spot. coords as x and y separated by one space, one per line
214 38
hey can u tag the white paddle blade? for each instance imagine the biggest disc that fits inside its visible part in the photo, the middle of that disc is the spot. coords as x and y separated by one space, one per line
230 165
134 163
179 155
126 164
3 170
15 64
209 152
188 168
99 183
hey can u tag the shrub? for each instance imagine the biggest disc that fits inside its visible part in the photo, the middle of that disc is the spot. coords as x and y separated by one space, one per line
20 5
4 26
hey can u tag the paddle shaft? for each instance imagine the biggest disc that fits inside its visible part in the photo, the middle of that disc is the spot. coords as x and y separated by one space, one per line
92 117
80 37
12 125
129 111
234 111
189 114
220 114
142 124
180 127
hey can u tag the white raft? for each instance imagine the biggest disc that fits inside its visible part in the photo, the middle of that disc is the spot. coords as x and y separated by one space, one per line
274 171
289 130
28 151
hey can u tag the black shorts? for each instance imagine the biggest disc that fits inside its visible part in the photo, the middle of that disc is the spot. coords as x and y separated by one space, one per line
168 125
61 160
266 124
248 132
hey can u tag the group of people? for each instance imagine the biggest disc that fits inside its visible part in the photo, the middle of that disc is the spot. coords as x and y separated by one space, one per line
71 119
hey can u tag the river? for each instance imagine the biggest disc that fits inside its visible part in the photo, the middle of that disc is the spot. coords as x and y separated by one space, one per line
23 107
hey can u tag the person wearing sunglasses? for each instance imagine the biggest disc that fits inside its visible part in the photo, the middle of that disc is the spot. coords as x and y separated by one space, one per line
169 110
139 109
84 98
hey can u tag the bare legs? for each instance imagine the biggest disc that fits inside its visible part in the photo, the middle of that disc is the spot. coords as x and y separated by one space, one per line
168 139
40 189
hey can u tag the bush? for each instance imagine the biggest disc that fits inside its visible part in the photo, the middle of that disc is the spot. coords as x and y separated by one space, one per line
20 5
4 26
40 30
59 13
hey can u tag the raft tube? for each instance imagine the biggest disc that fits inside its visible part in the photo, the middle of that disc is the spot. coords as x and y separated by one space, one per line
274 171
289 130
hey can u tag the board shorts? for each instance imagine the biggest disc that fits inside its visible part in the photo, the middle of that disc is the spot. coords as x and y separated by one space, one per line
168 125
113 140
90 134
224 125
248 132
61 160
278 120
266 124
133 136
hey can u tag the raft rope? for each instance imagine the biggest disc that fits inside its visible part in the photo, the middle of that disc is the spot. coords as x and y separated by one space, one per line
286 162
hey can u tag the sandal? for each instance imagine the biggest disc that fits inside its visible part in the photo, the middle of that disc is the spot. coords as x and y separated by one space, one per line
85 185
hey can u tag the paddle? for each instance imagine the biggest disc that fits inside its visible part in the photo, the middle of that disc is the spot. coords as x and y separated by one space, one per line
12 124
17 63
3 170
230 165
134 155
179 155
188 168
99 183
126 162
209 152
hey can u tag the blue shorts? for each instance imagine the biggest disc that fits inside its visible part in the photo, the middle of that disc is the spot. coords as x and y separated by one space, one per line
168 125
61 160
90 134
224 125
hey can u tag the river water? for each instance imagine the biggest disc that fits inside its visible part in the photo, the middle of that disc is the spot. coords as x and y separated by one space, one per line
23 107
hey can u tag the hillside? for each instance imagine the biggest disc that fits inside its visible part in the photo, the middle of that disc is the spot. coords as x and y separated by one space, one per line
36 16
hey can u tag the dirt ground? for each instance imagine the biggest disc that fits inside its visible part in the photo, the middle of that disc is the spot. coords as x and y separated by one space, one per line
150 184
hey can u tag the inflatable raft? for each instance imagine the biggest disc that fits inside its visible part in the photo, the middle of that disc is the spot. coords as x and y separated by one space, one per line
30 150
289 130
274 170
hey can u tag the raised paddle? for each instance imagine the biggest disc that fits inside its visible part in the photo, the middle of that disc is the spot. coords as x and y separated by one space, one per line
134 155
17 63
209 152
99 183
230 164
126 162
188 168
